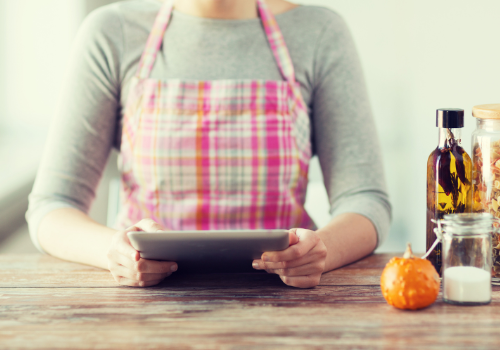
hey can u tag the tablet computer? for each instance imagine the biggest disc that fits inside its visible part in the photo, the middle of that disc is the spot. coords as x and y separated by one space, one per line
202 249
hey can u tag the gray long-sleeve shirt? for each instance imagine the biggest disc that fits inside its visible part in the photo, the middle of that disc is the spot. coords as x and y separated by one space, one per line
106 54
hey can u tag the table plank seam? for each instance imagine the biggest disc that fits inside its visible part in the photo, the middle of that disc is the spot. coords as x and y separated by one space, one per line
124 287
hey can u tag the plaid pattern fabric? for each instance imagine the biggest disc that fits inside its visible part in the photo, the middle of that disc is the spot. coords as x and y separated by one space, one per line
223 154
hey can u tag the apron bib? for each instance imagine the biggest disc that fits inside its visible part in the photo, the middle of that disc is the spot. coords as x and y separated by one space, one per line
218 155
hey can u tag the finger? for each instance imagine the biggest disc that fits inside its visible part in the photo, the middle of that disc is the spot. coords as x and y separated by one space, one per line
315 254
304 270
131 283
302 281
263 265
307 240
125 247
155 266
122 271
292 237
258 264
116 258
149 225
143 265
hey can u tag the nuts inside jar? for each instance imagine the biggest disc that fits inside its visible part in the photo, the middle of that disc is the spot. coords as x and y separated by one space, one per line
486 190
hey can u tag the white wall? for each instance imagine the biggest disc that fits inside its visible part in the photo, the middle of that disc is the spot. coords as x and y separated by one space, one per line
35 46
2 57
419 56
35 40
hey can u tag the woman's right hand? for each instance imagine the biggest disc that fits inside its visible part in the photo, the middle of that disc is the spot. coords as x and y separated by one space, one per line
126 265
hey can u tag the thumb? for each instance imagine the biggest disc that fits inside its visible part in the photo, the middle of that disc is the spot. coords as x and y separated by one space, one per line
293 238
149 225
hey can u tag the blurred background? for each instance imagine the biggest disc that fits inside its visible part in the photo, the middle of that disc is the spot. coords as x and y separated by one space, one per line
417 56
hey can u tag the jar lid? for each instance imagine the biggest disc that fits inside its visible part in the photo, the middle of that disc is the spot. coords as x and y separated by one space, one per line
469 224
488 111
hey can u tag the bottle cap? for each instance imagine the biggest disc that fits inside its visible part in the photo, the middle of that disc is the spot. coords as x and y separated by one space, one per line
490 111
450 118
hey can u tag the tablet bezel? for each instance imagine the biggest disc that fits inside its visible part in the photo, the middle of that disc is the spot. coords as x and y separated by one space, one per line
224 246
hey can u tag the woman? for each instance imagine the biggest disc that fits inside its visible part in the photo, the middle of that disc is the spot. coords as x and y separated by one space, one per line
216 108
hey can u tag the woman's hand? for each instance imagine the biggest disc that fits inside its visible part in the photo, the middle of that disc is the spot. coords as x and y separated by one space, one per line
126 265
301 264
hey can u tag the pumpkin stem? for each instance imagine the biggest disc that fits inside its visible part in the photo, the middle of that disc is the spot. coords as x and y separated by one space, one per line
408 254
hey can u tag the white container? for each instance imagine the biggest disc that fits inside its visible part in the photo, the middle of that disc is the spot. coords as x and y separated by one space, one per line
467 284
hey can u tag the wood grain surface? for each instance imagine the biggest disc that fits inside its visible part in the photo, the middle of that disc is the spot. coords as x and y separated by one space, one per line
46 303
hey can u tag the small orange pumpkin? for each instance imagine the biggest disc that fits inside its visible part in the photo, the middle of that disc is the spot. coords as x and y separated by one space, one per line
409 282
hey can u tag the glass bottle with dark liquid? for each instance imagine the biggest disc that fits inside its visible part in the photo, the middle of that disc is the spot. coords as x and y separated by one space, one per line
449 169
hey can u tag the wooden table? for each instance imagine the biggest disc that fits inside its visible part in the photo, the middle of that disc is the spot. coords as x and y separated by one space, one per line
46 303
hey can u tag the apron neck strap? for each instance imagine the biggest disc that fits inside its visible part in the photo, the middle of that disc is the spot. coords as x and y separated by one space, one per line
276 41
273 33
155 40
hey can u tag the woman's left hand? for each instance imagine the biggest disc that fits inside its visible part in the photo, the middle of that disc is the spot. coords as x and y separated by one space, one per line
301 264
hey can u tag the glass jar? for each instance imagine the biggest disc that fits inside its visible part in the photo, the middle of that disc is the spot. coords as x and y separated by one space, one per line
486 170
466 240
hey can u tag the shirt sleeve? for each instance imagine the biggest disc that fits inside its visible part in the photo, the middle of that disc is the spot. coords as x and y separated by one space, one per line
344 133
82 131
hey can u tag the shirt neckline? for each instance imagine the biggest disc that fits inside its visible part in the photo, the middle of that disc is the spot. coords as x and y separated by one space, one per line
221 22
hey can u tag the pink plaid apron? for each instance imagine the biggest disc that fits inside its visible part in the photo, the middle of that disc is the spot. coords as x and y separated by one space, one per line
222 154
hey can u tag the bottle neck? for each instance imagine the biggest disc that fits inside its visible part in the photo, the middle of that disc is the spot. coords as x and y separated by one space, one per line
447 137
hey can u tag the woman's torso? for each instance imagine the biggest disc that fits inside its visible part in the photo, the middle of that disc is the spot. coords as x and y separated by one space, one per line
210 49
216 153
106 55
